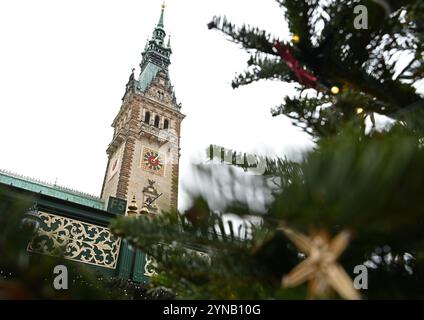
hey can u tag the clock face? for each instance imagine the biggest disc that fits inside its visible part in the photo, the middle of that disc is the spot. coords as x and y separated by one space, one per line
152 161
114 166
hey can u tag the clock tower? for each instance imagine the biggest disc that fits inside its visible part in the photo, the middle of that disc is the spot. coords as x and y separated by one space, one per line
143 157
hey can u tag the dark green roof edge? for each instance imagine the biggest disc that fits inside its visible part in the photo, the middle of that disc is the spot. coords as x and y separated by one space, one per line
9 178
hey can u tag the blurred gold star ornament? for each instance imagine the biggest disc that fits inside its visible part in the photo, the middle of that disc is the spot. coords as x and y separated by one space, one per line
320 268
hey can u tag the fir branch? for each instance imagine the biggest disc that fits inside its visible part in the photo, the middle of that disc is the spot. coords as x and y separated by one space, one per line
249 37
264 69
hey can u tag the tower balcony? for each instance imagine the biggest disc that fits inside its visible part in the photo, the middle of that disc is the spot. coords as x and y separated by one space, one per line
152 133
116 142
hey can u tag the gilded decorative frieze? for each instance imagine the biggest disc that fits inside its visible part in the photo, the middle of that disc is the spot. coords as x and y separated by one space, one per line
76 240
149 266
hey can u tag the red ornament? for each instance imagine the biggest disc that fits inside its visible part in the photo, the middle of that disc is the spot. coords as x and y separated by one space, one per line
286 53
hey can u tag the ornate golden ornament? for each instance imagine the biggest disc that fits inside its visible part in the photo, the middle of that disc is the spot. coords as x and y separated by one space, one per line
144 210
320 268
133 208
76 240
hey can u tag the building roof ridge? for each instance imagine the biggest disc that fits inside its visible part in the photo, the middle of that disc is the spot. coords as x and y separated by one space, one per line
47 184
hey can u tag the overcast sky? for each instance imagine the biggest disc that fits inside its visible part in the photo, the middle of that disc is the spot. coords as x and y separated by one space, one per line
63 69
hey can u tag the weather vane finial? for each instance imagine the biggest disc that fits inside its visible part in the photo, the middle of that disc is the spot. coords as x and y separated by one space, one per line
163 5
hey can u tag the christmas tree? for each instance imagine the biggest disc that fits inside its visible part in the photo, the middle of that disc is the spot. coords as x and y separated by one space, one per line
353 206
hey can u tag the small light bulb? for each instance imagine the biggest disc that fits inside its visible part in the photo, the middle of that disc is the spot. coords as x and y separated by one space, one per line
335 90
359 110
296 38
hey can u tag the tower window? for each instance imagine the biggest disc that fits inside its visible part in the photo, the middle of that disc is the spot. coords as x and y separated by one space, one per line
157 120
166 124
147 117
161 95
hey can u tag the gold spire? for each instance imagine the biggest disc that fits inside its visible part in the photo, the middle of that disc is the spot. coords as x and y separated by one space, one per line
132 208
144 210
160 23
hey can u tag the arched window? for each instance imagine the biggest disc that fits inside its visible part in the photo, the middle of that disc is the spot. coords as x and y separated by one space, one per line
147 117
161 95
166 124
157 120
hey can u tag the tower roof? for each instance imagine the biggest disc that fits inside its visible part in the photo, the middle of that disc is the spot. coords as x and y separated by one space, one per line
160 23
156 55
147 76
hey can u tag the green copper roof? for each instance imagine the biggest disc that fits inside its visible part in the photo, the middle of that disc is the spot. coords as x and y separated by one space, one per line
147 76
160 23
156 56
55 191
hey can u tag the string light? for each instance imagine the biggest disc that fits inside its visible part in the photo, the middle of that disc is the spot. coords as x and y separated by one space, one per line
296 38
359 110
335 90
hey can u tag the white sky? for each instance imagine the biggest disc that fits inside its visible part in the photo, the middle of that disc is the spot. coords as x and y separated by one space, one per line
63 69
